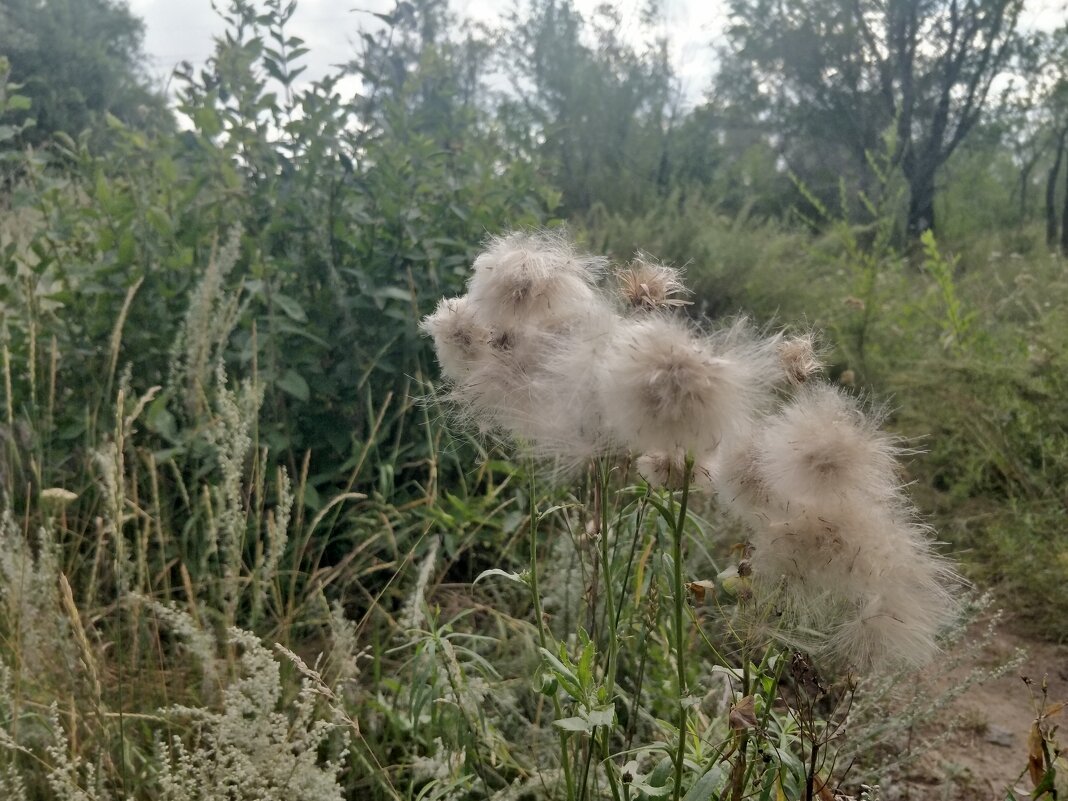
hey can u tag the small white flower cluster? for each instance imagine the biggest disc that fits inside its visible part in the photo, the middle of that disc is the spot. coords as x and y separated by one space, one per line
255 748
540 352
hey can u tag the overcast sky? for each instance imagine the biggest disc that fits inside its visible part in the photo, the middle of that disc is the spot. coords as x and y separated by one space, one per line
180 30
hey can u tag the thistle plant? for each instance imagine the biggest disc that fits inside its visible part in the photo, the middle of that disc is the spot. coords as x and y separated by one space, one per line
592 377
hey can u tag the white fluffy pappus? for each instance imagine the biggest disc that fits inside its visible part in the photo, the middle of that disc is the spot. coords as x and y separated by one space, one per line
663 469
666 389
822 449
739 484
498 393
567 426
537 388
866 578
458 337
532 278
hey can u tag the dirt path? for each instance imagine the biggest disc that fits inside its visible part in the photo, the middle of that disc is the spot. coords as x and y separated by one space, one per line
987 755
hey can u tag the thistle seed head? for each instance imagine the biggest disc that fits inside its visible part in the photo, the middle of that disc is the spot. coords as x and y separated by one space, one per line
646 285
532 279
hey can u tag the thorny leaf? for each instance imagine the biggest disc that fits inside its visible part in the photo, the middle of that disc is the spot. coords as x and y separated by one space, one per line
743 714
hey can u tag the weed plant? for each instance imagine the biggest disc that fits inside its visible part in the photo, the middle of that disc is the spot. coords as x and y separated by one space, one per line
836 577
966 339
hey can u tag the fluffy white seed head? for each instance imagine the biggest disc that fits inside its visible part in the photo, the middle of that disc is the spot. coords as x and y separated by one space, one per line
863 575
823 448
498 392
459 339
532 279
740 485
668 470
667 389
567 425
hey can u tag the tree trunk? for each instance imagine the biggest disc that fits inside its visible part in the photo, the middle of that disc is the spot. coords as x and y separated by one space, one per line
1025 184
921 204
1064 217
1051 191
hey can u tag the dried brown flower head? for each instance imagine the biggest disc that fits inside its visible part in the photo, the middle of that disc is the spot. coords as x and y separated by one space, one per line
797 356
647 285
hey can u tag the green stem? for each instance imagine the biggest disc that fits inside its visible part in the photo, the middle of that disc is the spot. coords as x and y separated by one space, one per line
742 767
680 645
610 619
543 638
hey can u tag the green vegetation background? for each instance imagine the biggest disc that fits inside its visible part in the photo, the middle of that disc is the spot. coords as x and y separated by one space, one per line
209 325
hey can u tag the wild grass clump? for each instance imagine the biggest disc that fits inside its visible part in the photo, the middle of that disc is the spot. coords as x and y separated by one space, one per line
135 599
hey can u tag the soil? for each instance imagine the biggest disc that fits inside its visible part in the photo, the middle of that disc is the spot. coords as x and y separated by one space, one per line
986 757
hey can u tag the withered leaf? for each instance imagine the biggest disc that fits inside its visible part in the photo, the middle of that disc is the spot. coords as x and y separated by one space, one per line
743 714
699 589
1035 762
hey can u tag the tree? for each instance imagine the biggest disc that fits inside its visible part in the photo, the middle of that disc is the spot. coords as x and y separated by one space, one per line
1052 89
596 112
831 76
76 60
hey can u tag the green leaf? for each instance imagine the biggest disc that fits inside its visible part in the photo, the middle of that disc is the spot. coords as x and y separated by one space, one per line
585 665
705 788
291 307
312 499
602 716
651 791
159 419
656 784
18 103
292 383
567 678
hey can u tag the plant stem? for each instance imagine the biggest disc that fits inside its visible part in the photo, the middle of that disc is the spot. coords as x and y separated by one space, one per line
741 767
680 645
543 638
610 617
611 620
